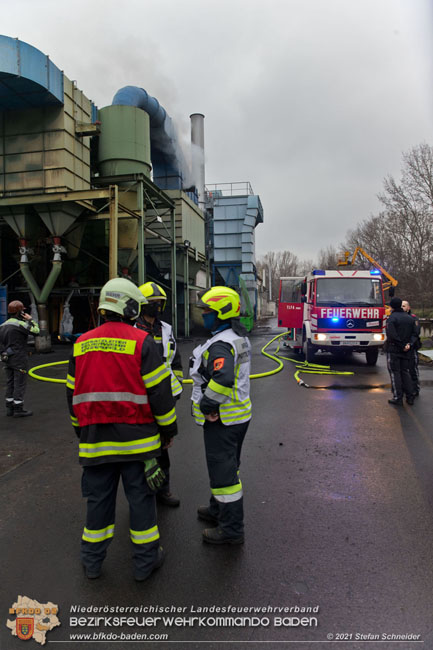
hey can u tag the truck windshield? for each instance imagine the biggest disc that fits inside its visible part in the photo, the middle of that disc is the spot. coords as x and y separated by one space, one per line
349 291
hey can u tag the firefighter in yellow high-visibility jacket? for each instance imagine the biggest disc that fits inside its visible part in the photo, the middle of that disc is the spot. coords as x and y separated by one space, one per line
220 370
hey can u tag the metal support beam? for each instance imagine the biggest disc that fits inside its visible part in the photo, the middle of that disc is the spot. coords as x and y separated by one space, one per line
114 233
125 213
81 196
158 195
173 272
186 291
140 244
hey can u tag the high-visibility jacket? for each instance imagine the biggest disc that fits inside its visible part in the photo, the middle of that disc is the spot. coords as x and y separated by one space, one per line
234 402
108 386
169 354
13 339
119 394
162 334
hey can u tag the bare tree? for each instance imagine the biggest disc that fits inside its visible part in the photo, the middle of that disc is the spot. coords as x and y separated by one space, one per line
280 264
400 238
328 258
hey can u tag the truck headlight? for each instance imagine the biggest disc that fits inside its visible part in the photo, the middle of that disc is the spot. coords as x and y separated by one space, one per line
378 337
320 337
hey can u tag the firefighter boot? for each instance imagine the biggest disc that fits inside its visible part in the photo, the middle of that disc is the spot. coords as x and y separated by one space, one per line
20 412
396 401
159 561
92 573
204 513
167 498
9 407
217 536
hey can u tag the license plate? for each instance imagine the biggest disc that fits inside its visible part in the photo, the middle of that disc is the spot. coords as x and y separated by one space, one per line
349 342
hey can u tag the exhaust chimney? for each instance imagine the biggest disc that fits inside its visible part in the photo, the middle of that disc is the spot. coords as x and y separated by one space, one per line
197 155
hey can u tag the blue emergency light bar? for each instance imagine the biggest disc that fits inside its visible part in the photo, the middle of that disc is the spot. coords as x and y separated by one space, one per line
318 272
335 320
374 272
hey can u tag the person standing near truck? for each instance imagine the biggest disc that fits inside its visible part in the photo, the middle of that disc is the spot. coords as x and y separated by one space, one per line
401 336
413 352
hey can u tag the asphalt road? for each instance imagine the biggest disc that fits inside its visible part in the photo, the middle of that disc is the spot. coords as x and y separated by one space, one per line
338 510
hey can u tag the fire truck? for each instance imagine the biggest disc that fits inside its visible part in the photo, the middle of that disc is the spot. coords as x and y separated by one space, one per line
334 311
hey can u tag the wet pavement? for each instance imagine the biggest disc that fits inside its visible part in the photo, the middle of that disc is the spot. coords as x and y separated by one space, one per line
338 511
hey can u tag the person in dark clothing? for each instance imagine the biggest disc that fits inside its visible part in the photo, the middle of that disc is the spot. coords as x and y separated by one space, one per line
122 410
13 348
401 336
162 333
413 352
220 370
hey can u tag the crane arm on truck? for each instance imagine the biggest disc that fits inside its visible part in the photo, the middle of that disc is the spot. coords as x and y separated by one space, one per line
392 282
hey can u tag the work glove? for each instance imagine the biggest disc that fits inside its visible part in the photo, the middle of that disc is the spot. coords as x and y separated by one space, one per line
4 357
153 473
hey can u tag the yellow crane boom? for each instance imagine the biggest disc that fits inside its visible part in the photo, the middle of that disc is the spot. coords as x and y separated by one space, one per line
392 282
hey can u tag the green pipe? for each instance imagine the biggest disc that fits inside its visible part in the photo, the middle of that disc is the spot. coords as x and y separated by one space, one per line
28 277
50 281
41 297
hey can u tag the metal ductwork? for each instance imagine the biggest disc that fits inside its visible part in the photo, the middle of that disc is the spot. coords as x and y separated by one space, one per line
169 165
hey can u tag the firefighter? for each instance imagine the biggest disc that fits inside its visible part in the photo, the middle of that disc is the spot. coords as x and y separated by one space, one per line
220 370
413 352
121 407
13 347
400 338
162 333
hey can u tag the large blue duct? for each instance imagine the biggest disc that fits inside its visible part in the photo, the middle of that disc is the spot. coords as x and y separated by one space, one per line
28 79
169 165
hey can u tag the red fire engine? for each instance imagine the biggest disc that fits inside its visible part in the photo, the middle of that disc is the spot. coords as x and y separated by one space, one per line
334 311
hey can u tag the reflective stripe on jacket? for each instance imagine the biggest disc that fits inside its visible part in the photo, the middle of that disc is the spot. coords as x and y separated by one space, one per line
234 403
169 351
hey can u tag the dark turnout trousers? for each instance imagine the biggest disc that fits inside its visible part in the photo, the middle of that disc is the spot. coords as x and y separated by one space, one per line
414 370
99 486
16 385
223 445
401 382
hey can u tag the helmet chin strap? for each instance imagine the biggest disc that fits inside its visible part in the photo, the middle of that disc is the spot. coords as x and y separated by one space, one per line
224 326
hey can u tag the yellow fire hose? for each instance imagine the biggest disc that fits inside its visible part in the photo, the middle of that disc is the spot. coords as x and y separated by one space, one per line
32 372
301 367
310 368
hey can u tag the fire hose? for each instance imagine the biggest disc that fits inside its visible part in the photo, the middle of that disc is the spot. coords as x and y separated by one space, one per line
301 367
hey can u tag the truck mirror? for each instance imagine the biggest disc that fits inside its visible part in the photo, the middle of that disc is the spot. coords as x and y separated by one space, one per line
304 288
391 292
303 298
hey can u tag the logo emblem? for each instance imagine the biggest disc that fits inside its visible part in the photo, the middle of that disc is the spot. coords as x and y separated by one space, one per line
25 628
34 620
350 324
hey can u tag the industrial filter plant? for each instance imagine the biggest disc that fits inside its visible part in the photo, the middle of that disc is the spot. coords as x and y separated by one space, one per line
88 194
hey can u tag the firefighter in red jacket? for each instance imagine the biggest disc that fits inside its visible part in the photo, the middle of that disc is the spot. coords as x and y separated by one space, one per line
122 410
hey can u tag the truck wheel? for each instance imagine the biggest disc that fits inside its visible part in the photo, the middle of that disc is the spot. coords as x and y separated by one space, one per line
308 351
371 355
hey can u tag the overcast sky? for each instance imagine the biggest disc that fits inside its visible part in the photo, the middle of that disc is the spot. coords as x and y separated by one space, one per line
312 101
